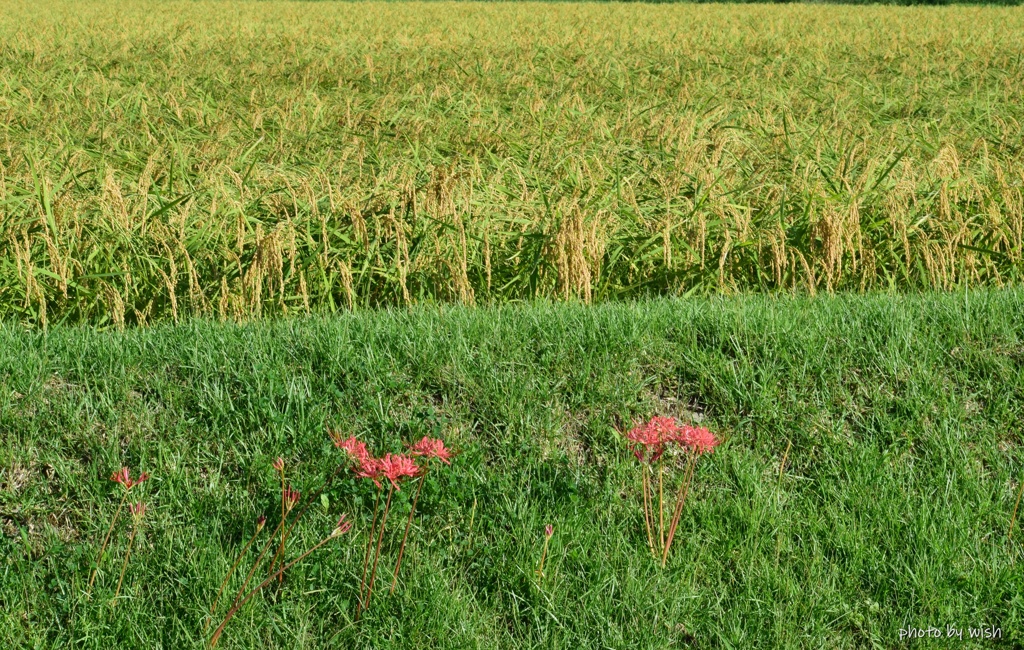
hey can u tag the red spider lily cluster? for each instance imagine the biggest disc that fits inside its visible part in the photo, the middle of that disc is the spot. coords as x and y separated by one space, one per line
396 468
649 441
122 477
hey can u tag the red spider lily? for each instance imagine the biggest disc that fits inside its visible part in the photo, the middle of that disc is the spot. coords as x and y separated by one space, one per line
427 448
432 448
278 464
355 448
291 497
701 440
370 468
343 526
124 478
648 442
261 521
549 530
138 510
665 427
396 467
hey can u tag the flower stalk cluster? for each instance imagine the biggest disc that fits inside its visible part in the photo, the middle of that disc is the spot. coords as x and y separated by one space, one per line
342 527
123 478
396 469
278 564
138 512
649 441
392 468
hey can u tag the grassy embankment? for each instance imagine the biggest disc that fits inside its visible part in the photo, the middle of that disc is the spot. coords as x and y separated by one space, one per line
892 510
236 159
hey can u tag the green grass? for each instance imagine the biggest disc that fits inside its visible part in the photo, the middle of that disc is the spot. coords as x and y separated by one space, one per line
903 412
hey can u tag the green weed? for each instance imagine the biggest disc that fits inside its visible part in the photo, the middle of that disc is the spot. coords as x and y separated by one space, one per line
897 416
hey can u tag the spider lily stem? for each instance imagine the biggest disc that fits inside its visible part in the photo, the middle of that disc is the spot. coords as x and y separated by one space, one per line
231 571
1013 519
380 540
661 505
647 511
366 556
238 605
408 525
284 532
127 554
106 538
684 490
543 555
248 577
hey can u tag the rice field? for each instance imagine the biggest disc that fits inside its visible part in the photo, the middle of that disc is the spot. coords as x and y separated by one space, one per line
237 160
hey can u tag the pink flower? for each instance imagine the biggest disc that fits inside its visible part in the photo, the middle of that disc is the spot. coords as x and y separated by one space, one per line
549 530
665 428
432 448
396 467
356 449
291 497
370 468
124 478
701 440
343 526
647 442
279 464
138 510
698 439
649 439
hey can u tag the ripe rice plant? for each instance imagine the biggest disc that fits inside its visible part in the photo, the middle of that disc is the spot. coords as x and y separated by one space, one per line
238 160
